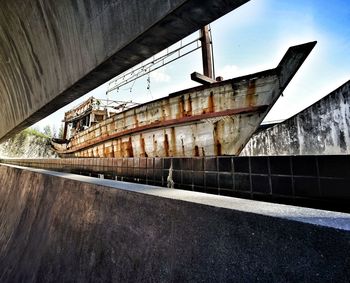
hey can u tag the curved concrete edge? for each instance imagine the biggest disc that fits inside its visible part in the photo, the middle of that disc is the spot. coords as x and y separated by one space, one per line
324 218
51 53
65 228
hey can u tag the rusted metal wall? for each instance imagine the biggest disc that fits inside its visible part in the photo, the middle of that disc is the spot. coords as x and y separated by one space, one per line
322 128
210 120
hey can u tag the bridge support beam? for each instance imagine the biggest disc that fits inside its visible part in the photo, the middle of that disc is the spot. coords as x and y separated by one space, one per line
52 52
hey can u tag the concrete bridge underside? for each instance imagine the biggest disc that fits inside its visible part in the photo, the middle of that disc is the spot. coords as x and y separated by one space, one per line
52 52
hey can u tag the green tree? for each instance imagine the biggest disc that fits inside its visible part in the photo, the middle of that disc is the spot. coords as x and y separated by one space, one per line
47 131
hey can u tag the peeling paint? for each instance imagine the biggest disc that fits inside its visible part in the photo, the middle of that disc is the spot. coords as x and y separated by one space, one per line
219 119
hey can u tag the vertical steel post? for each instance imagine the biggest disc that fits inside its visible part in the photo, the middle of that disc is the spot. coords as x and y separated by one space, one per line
65 131
206 52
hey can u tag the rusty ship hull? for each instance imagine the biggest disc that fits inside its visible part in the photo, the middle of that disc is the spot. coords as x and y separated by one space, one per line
209 120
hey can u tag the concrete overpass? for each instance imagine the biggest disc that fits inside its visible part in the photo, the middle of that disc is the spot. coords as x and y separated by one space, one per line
52 52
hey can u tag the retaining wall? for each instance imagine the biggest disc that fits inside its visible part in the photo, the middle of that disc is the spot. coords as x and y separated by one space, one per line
322 128
58 227
312 181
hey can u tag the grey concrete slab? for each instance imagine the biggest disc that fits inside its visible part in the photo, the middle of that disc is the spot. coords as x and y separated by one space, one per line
52 52
324 218
314 181
59 227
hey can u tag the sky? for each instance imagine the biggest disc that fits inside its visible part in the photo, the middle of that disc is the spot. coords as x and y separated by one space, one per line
254 38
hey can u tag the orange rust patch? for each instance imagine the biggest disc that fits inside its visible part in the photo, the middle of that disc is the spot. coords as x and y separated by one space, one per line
251 90
218 148
142 144
136 121
196 150
167 123
108 151
131 151
211 102
127 150
173 141
166 145
216 135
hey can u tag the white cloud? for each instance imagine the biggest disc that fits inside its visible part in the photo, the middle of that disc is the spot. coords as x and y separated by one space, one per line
160 75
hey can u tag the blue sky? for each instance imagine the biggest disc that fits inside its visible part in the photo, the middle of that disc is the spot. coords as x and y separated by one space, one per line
254 38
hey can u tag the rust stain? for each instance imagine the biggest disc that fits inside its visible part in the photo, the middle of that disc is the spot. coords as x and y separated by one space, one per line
251 90
155 146
218 148
219 137
166 145
216 138
129 149
120 148
108 151
105 150
211 102
196 150
181 103
167 123
173 141
142 144
136 121
183 147
113 150
189 106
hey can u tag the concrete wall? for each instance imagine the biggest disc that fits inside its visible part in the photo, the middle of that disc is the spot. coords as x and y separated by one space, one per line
322 128
27 144
52 52
319 181
60 227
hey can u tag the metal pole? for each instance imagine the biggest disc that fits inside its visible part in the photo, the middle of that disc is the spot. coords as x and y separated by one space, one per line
206 53
65 131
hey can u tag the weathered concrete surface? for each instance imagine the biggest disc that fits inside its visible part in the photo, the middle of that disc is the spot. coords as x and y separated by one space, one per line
56 228
27 144
322 128
317 181
52 52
